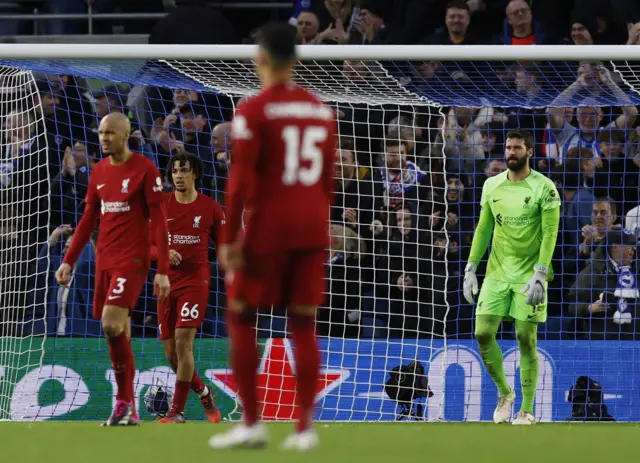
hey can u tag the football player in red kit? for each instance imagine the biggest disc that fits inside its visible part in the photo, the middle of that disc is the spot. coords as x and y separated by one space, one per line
125 193
193 219
282 171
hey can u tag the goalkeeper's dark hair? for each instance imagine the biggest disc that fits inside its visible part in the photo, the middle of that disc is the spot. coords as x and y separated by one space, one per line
194 162
521 135
279 41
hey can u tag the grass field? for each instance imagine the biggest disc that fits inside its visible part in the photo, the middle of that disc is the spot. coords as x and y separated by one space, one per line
72 442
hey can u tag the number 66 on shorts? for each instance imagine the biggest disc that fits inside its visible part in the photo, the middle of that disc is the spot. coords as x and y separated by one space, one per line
184 308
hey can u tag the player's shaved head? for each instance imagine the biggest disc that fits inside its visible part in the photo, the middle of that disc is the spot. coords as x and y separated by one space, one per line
118 121
114 132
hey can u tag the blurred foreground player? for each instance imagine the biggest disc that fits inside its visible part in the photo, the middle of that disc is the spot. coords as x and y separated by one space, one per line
125 193
282 172
192 219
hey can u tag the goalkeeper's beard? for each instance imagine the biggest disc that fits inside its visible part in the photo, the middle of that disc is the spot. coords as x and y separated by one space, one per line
516 165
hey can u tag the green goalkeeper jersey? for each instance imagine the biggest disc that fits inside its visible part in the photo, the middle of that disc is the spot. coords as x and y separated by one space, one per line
524 217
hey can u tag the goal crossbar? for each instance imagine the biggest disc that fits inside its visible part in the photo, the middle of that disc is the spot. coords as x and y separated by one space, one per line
325 52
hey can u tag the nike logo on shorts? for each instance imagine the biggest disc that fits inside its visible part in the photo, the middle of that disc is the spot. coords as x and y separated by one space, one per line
100 186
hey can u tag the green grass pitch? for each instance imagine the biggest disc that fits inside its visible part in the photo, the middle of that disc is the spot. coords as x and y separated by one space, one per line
71 442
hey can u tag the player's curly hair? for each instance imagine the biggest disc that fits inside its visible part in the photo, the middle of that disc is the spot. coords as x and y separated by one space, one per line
193 160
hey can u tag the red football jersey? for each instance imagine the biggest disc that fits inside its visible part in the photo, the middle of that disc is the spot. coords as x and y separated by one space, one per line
121 195
191 226
282 171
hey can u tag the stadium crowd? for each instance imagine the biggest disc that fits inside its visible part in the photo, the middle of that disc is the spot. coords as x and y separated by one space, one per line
408 181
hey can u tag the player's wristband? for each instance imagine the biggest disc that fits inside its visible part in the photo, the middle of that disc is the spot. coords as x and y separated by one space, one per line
541 269
471 267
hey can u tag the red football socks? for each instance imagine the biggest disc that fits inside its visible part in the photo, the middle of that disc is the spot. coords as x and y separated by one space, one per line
244 362
123 364
197 385
180 396
307 358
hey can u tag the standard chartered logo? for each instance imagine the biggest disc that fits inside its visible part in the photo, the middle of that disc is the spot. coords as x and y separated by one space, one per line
517 221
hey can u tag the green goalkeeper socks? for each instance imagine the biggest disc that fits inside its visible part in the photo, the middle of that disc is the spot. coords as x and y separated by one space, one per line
486 329
527 334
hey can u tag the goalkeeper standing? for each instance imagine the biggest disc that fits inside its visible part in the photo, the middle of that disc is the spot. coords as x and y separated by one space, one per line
522 209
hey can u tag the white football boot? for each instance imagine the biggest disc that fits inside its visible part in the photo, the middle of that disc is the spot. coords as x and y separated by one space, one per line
524 419
241 435
502 413
301 441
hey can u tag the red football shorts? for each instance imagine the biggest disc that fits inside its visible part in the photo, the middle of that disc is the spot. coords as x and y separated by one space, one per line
286 279
184 308
119 287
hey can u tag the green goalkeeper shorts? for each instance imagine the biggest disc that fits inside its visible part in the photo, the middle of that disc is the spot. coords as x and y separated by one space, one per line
504 299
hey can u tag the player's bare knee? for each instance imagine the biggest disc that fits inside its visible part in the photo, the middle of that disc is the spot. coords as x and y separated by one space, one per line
302 311
184 348
114 321
112 327
170 354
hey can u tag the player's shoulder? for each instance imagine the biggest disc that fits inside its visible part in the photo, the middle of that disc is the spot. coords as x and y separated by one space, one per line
143 161
494 182
538 179
207 201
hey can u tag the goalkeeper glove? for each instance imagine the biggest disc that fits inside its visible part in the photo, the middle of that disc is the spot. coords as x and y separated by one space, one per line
535 286
470 284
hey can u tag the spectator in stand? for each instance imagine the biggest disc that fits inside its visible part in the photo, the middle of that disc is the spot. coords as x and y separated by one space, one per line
25 167
577 201
69 308
56 123
221 145
353 205
463 138
369 25
308 27
457 21
584 28
191 23
76 101
109 100
633 34
593 78
342 304
603 218
401 179
332 12
399 273
521 29
614 174
69 187
605 296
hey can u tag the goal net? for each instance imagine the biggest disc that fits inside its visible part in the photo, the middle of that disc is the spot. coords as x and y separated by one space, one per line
420 130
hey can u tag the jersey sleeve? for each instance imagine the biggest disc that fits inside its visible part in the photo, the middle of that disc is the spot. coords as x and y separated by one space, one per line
217 224
154 198
550 222
153 186
246 136
549 199
87 224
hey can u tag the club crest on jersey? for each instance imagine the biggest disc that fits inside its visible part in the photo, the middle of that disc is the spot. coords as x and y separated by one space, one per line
196 221
527 200
125 185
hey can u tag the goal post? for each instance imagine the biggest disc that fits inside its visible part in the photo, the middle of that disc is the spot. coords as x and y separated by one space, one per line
420 129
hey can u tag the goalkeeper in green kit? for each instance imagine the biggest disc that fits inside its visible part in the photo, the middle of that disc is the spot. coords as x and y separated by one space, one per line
522 209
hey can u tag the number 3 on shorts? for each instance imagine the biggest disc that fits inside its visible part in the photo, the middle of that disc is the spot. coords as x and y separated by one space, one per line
118 290
186 312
